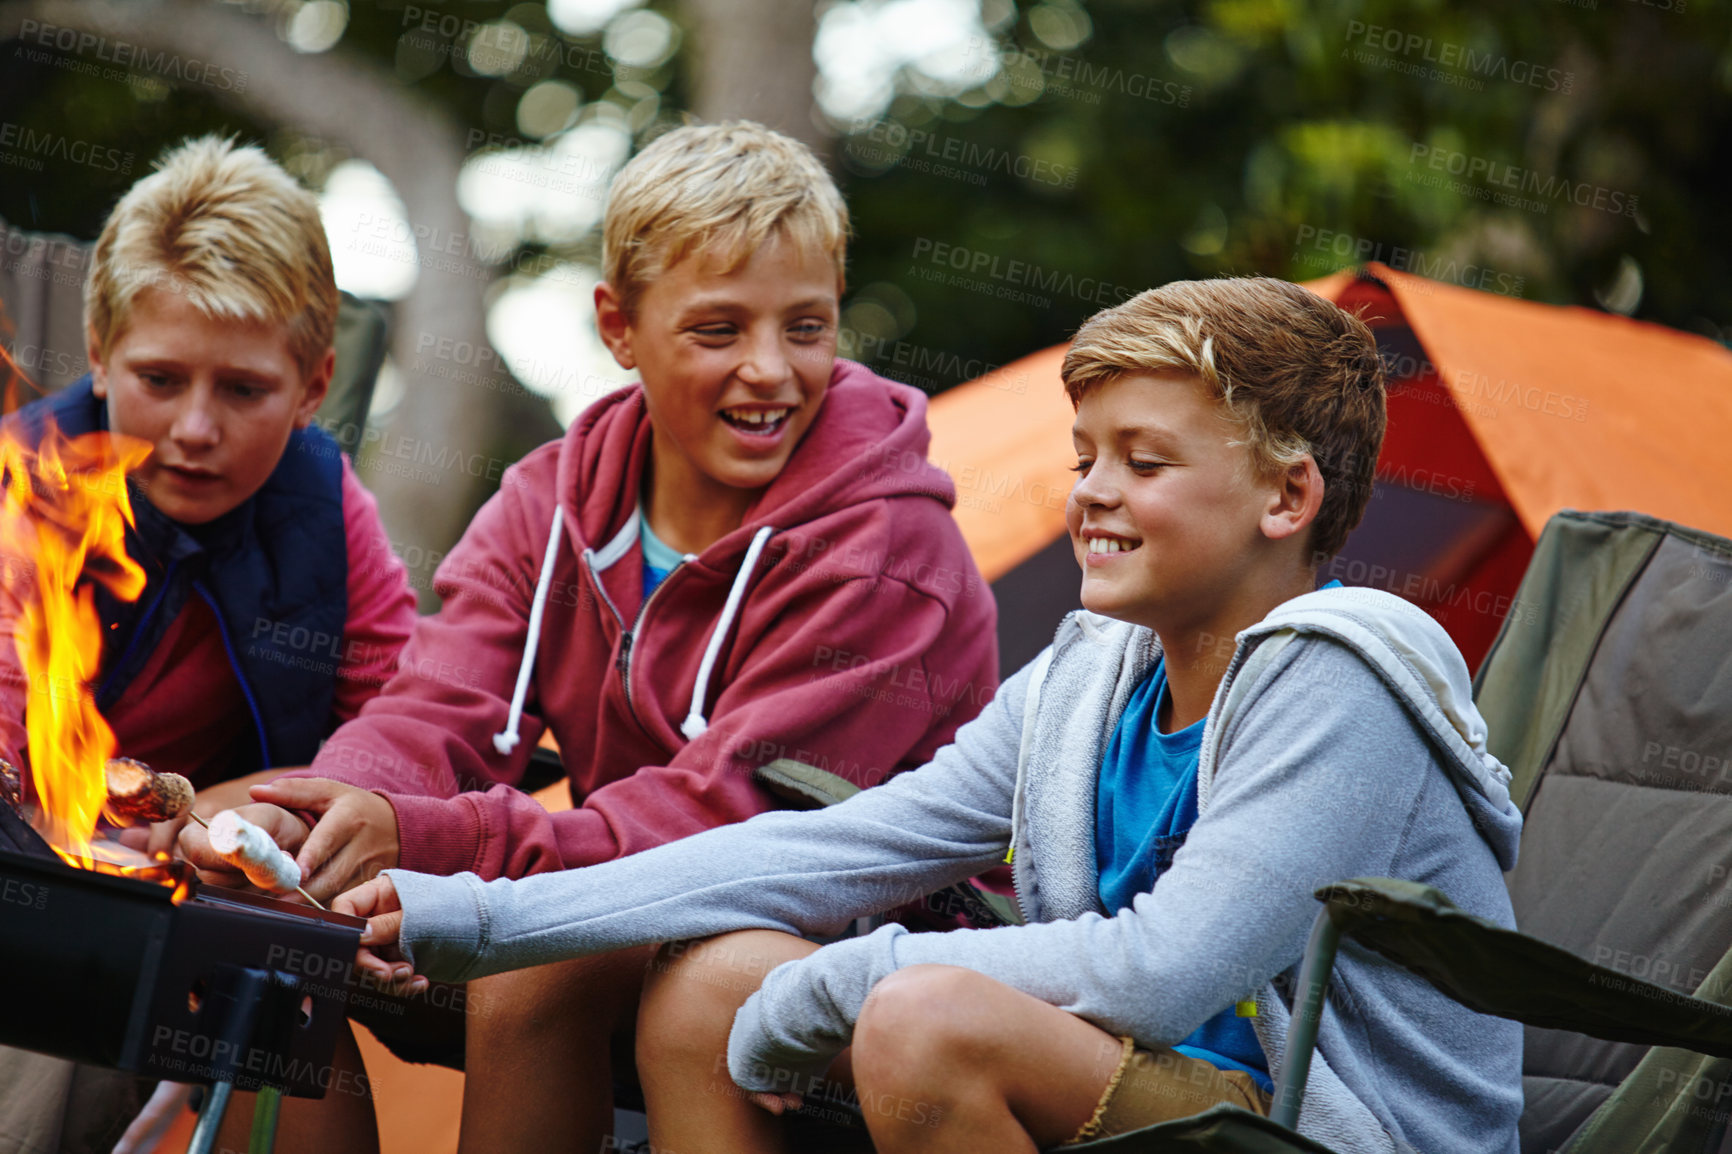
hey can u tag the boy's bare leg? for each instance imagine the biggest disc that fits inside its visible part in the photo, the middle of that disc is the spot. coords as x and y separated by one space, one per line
690 996
949 1059
539 1070
342 1122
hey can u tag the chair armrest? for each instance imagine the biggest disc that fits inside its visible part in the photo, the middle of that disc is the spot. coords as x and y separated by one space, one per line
1497 971
1487 969
803 786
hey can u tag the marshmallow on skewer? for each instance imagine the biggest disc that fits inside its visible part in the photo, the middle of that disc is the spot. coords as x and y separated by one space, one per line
251 850
137 792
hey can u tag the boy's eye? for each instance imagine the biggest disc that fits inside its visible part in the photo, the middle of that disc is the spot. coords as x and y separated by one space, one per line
1082 465
245 390
154 380
1147 466
809 330
713 332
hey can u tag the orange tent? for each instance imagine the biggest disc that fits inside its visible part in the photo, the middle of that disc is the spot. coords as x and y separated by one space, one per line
1501 413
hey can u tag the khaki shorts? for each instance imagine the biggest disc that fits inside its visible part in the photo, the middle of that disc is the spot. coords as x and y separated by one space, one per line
1153 1086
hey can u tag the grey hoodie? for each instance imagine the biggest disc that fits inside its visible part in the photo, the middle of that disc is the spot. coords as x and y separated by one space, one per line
1342 742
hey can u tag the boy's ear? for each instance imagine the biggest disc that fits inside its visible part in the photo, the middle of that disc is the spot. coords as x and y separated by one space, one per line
1295 501
318 385
613 325
98 370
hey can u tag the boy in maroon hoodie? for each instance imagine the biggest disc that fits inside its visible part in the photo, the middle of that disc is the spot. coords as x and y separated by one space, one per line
746 558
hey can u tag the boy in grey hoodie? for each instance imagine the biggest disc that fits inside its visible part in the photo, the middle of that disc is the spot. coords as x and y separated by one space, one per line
1196 752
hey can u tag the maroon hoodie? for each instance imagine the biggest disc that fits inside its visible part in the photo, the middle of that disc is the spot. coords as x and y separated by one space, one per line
843 624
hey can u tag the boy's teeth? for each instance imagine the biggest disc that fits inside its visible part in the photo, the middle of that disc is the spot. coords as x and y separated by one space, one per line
756 418
1110 545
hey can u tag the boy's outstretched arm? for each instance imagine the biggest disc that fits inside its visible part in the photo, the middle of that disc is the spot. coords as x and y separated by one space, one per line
1318 790
791 871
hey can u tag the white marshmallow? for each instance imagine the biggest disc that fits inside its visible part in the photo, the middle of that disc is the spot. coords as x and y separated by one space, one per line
251 850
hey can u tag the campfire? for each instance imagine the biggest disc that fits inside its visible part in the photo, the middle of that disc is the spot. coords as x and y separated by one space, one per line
122 960
63 525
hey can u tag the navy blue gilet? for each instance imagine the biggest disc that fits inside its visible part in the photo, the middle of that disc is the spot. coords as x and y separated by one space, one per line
274 572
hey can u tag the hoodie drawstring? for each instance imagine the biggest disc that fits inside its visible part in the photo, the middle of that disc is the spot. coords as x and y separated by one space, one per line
507 741
694 724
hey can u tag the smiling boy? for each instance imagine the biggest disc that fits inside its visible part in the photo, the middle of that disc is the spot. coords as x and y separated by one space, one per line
665 589
1170 804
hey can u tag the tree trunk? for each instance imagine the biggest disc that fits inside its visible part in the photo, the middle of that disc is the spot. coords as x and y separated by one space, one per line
752 59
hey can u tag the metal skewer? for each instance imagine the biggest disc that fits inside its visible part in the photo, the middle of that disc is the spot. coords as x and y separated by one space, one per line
298 889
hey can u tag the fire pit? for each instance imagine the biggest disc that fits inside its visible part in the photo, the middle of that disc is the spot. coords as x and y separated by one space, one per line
167 978
107 956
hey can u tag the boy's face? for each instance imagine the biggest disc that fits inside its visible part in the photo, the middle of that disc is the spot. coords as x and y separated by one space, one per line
1169 522
216 398
734 365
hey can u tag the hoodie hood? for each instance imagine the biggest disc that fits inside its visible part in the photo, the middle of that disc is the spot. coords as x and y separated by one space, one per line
1420 663
1096 662
868 441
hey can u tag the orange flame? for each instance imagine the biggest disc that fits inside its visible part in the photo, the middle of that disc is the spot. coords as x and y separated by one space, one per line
63 530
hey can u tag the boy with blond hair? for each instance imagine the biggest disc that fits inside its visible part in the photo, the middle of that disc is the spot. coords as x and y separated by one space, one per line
744 558
211 310
1168 813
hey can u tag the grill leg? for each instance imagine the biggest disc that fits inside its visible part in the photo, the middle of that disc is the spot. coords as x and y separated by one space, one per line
210 1118
264 1137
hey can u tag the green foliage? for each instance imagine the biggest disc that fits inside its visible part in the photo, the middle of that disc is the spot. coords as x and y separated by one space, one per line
1560 152
1288 137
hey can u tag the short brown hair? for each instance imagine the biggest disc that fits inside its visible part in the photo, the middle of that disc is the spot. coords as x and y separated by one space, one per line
225 227
1297 373
719 189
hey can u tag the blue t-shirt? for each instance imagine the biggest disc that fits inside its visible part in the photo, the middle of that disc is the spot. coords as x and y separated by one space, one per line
659 558
1145 804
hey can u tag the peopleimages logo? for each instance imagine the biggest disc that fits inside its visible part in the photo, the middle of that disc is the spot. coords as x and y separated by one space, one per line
888 143
1327 249
1495 175
1458 64
53 146
1007 278
124 56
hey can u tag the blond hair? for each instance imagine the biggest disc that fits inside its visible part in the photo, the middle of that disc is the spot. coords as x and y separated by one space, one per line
723 190
1297 374
226 228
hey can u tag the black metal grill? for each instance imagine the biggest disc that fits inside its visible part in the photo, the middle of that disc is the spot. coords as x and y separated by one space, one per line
222 986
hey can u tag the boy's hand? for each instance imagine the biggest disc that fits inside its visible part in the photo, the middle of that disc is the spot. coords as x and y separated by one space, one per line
355 839
287 830
380 953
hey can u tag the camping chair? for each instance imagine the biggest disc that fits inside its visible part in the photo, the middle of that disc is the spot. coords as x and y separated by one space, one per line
1601 695
42 319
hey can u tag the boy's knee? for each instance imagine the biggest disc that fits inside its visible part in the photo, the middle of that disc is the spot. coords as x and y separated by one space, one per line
692 985
916 1014
685 1011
